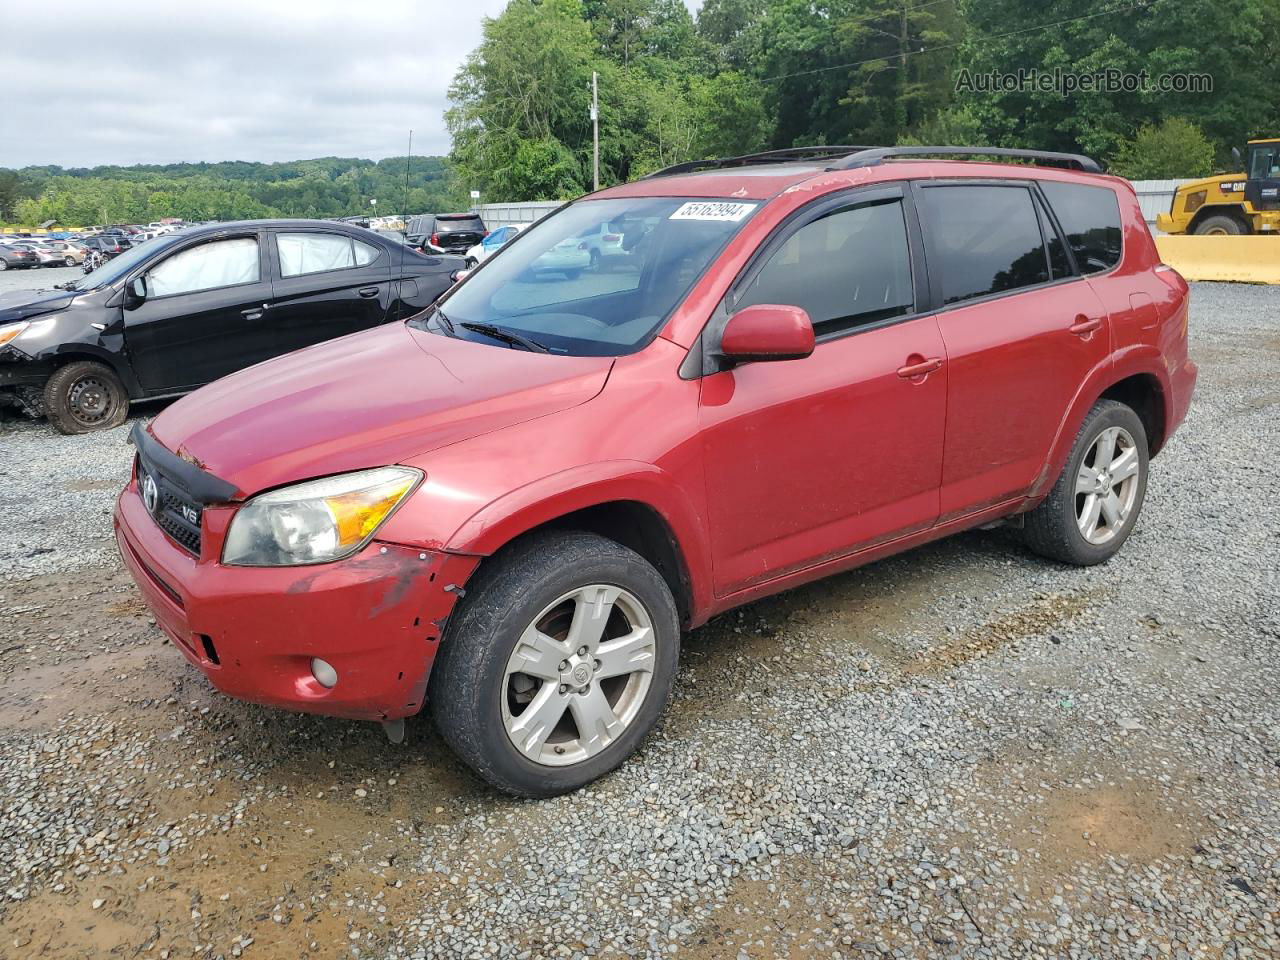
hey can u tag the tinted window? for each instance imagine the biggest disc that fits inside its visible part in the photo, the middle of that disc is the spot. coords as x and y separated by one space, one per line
1059 265
982 240
846 269
1091 218
451 225
223 263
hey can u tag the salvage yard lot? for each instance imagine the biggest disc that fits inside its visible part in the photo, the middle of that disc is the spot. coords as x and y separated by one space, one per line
961 751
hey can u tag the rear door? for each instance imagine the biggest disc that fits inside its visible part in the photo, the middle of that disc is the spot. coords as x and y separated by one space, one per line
1022 331
325 284
203 314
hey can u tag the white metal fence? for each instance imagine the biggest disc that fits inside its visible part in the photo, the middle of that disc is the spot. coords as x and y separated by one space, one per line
505 214
1155 196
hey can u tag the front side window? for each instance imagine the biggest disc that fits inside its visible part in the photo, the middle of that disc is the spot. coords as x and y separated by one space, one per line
302 253
982 239
558 290
846 269
1091 218
222 263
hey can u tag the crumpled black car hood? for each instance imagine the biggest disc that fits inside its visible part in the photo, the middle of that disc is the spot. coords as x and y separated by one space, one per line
21 304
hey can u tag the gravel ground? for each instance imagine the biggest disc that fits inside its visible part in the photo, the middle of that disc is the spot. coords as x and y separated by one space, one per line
963 751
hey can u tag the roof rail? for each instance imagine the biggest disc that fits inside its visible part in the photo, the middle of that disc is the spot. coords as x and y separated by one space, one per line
766 156
874 155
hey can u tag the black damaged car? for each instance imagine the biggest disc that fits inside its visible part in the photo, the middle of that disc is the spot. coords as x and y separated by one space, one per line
184 309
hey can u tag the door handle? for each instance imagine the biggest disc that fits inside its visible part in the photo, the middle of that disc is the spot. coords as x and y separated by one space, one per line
1085 326
254 313
368 291
918 367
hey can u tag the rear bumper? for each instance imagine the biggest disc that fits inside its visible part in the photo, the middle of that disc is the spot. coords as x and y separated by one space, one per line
376 617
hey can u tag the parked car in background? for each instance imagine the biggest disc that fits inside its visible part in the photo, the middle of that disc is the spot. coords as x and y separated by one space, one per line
512 504
187 308
45 254
70 252
492 242
453 233
16 256
100 249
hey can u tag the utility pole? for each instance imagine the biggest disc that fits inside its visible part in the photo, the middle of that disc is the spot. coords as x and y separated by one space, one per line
595 132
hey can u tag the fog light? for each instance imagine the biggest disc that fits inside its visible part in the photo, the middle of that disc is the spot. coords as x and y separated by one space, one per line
324 673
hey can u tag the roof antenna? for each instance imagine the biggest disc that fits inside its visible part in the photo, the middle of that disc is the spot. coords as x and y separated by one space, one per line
404 213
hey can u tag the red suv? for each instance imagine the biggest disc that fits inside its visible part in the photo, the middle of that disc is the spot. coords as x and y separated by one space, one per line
511 505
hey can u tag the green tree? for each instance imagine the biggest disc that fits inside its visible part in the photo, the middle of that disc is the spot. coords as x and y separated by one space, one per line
1173 149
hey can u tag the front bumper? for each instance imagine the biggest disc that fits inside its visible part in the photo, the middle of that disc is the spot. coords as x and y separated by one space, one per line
1165 224
376 617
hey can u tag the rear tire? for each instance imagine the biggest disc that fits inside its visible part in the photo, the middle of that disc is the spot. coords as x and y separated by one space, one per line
1220 225
85 396
1094 505
514 647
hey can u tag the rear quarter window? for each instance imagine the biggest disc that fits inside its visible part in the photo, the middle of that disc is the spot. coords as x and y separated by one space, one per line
1090 217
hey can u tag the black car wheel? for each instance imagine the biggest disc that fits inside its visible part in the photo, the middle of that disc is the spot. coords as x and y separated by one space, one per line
85 396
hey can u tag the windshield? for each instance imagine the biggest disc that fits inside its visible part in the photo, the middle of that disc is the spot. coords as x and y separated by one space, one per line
117 267
597 278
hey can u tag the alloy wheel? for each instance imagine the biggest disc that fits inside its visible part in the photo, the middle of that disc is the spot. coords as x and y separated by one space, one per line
578 675
1107 485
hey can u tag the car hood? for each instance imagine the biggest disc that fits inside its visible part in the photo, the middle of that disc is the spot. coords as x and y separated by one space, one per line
21 304
370 399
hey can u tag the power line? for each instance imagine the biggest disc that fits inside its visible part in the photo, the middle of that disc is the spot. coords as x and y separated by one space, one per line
1143 5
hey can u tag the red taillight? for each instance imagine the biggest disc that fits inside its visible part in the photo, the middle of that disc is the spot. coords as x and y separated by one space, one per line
487 232
612 237
435 239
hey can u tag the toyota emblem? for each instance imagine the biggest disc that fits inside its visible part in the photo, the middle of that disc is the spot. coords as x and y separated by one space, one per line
150 495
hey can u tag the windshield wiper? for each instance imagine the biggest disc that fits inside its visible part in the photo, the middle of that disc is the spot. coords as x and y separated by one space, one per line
506 336
446 323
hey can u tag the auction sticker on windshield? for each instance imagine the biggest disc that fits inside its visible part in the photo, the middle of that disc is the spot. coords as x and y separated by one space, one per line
713 210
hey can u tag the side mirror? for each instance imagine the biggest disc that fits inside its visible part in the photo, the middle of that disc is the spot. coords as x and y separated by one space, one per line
137 291
767 331
1235 155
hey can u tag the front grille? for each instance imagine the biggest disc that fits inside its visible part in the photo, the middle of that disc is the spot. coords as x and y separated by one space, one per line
176 512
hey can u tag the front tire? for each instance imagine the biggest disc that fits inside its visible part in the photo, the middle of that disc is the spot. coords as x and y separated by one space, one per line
1095 502
557 663
84 396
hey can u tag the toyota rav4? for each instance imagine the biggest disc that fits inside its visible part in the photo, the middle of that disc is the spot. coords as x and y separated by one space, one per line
511 505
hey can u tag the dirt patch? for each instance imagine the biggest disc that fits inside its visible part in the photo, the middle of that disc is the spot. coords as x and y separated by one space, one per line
1042 616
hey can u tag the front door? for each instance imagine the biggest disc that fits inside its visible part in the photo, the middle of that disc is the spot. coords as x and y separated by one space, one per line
326 285
202 316
812 459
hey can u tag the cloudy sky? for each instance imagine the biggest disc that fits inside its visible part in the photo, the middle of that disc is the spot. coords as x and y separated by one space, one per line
232 80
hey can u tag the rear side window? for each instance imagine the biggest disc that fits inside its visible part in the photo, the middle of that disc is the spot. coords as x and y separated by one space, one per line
982 239
1091 218
302 253
846 269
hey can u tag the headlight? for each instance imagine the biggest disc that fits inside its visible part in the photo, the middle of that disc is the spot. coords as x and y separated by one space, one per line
1196 200
11 331
316 521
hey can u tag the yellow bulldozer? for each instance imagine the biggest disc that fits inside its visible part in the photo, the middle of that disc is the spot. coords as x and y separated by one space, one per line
1231 204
